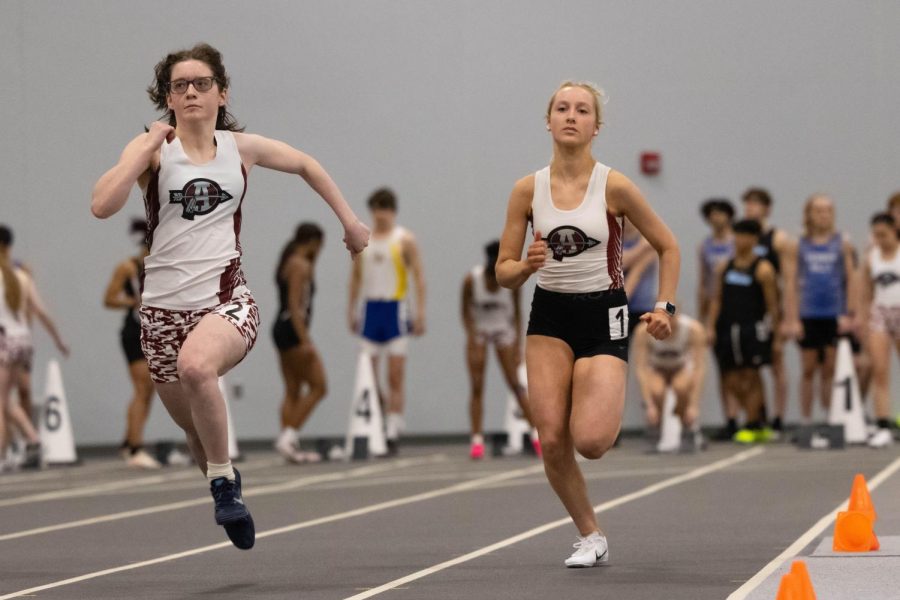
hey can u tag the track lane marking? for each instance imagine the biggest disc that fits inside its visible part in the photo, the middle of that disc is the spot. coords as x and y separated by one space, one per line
380 506
258 491
804 540
643 492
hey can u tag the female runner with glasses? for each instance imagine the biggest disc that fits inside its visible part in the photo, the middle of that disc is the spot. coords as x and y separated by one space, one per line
198 319
577 340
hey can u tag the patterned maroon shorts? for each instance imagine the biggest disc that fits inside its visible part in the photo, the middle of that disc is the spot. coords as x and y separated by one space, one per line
163 331
16 351
886 319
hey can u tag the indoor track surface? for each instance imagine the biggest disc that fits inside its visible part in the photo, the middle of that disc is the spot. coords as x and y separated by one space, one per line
432 524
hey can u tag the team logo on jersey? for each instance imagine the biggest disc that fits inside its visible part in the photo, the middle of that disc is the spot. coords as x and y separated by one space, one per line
569 241
886 279
198 197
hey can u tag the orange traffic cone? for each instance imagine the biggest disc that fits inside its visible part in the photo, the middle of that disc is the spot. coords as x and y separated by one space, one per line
860 500
853 533
799 571
790 588
854 530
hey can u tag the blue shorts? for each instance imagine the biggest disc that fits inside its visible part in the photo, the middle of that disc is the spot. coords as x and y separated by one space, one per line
384 320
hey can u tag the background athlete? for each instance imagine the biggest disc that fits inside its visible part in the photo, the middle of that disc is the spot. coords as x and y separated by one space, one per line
677 363
198 318
779 248
577 340
742 315
385 319
124 293
822 282
491 316
19 300
716 249
881 317
301 367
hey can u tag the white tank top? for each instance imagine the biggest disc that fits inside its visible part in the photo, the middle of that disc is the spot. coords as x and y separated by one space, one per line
585 242
14 324
194 222
384 274
494 312
885 279
673 352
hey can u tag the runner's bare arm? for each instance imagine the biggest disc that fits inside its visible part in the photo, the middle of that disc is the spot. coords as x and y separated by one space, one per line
273 154
512 271
115 296
113 188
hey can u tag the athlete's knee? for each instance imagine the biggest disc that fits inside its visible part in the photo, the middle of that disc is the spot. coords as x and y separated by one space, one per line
595 446
194 370
555 446
318 390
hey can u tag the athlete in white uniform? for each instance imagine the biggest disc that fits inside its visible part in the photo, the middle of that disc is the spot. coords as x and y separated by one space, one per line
384 318
577 340
491 315
198 319
19 301
677 362
881 302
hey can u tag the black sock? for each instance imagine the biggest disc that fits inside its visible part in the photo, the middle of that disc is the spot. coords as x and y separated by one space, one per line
132 450
776 424
732 425
883 423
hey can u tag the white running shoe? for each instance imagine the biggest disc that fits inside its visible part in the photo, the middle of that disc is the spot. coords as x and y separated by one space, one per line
590 551
881 439
142 460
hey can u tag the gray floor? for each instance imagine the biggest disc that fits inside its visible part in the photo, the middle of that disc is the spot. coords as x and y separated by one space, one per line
335 530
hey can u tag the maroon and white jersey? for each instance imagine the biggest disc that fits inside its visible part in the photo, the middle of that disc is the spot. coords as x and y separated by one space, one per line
585 242
194 223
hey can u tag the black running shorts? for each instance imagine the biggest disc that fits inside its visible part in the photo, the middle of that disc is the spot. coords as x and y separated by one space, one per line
743 345
819 333
591 323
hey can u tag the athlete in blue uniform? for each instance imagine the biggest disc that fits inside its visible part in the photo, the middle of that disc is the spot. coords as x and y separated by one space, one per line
823 286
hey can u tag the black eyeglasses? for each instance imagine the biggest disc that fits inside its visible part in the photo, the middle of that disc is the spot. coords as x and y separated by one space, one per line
201 84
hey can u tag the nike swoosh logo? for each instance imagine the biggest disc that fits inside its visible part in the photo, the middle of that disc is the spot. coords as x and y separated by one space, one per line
239 501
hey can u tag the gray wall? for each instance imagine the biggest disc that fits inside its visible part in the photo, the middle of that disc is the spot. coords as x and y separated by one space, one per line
444 102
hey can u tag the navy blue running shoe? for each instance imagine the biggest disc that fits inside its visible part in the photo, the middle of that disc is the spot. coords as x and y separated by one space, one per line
231 511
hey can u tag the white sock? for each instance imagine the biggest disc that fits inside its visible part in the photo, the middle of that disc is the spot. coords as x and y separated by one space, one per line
214 471
288 436
534 434
477 439
596 536
394 425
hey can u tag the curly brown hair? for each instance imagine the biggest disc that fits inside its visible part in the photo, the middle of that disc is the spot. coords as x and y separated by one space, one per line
159 89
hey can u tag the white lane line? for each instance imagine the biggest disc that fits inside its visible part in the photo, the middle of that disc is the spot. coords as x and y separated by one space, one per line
643 492
421 497
804 540
252 492
96 489
62 471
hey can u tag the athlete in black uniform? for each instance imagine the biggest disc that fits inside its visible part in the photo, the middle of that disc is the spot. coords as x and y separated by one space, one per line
124 292
300 363
780 249
742 315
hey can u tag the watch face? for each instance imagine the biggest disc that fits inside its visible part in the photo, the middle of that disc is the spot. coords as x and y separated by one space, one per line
670 308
